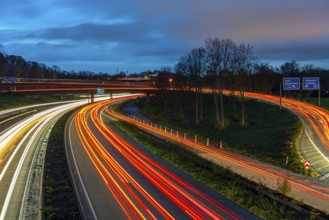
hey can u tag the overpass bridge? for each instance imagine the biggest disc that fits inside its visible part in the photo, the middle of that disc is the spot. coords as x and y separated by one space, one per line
90 88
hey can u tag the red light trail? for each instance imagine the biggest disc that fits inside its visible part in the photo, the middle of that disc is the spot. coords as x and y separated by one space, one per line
311 193
133 198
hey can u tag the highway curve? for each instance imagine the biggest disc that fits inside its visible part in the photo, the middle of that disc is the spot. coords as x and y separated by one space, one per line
314 143
116 178
23 141
312 192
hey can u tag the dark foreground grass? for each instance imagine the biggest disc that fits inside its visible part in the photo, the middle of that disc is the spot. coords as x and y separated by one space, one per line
60 200
270 134
256 198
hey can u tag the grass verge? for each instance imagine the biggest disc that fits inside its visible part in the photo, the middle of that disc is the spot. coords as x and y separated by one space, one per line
59 197
270 134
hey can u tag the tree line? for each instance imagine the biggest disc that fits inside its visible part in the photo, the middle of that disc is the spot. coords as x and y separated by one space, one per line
14 65
222 64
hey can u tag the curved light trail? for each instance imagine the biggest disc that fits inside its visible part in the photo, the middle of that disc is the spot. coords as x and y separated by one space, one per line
132 195
135 200
315 143
17 144
313 194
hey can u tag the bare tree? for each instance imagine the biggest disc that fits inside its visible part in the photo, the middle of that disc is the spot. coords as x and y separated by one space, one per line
197 69
265 78
3 63
219 54
242 67
193 66
290 68
54 70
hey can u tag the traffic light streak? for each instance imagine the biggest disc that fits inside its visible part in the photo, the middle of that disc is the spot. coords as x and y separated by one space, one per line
175 188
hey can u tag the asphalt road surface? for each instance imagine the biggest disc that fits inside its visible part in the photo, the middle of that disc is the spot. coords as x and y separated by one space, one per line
152 187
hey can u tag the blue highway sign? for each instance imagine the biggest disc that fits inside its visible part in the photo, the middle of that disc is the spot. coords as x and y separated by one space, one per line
291 83
311 83
10 79
100 91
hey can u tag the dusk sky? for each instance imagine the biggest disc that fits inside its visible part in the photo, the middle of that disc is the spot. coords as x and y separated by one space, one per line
139 35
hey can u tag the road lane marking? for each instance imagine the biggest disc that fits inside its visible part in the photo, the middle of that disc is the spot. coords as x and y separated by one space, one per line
94 216
316 146
323 167
18 169
324 177
11 118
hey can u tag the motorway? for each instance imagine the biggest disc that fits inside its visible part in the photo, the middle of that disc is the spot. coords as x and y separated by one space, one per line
111 170
23 139
314 143
311 191
117 178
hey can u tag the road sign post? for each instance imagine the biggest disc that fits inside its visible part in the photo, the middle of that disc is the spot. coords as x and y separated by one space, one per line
292 83
10 79
289 83
312 83
100 91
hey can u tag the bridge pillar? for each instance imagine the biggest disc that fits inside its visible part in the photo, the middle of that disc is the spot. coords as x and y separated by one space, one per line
111 95
92 96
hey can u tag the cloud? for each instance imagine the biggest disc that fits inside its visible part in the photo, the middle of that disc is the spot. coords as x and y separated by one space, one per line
299 50
93 33
147 32
2 49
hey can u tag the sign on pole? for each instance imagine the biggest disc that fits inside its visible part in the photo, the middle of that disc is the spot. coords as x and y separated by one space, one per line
311 83
100 91
291 83
307 165
10 79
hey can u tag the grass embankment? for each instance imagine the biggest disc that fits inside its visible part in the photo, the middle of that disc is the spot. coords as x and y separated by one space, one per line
256 198
314 101
60 200
269 135
8 101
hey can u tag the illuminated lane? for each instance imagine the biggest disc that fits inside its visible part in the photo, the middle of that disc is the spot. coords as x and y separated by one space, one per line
15 122
305 189
18 144
314 144
142 187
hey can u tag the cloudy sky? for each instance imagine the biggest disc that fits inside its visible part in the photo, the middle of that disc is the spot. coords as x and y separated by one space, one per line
139 35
